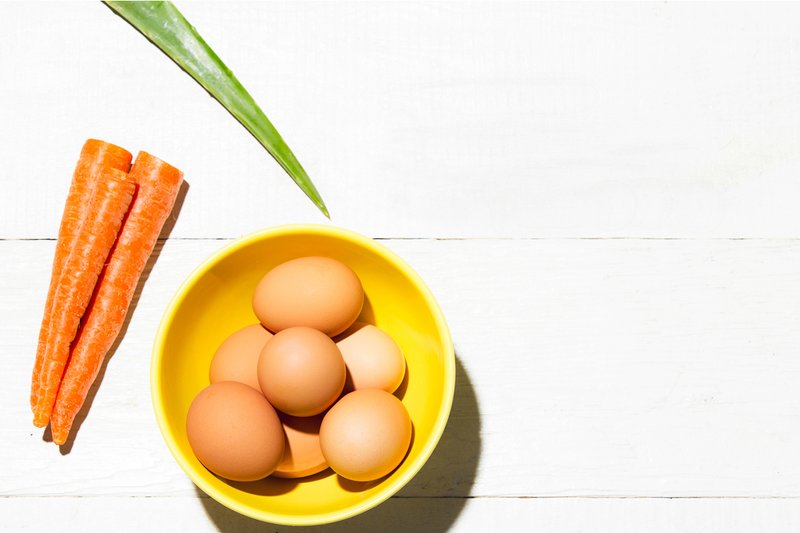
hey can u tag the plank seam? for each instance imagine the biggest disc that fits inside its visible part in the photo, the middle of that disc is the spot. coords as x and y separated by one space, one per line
552 239
576 497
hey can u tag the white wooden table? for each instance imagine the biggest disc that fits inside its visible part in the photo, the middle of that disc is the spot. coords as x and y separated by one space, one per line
604 199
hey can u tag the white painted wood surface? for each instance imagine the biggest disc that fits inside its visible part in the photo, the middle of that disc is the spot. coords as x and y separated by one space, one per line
601 196
607 515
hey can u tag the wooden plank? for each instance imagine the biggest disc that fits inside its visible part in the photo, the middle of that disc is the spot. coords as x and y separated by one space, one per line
586 368
420 514
429 119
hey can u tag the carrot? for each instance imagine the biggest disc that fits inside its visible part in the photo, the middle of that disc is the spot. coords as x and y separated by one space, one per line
158 188
94 156
106 208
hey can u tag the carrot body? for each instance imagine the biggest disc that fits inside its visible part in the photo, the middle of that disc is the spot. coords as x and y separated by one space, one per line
94 156
106 208
158 184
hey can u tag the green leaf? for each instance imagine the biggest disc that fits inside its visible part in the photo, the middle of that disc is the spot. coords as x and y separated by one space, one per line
164 26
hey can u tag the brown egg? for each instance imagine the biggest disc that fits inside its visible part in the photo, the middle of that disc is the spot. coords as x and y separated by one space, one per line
302 455
373 359
365 435
301 371
235 432
316 292
236 359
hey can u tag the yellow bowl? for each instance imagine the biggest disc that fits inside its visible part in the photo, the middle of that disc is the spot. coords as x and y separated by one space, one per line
216 300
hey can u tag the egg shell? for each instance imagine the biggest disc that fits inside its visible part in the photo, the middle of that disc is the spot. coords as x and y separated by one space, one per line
235 432
301 371
316 292
365 435
302 455
236 359
373 359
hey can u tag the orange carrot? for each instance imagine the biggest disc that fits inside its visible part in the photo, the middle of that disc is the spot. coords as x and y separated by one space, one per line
94 156
106 207
159 184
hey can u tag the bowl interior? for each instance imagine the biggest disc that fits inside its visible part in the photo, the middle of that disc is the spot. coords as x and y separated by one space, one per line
216 301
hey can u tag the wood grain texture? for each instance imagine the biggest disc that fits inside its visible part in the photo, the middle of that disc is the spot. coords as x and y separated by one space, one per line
420 119
423 515
586 368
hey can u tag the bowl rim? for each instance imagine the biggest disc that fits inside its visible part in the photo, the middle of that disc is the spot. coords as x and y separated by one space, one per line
302 229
